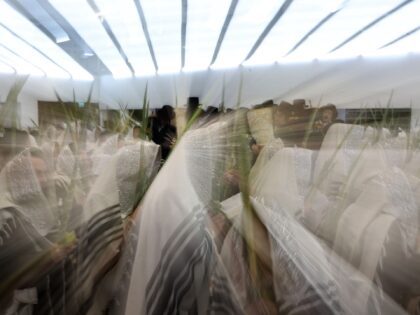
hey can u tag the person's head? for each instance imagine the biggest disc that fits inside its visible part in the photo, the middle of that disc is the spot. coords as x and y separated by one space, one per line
328 114
40 168
281 114
192 106
165 114
136 132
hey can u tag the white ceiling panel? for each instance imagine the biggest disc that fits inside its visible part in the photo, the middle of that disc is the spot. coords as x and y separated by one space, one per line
300 19
31 34
164 18
249 21
88 25
125 23
204 24
354 17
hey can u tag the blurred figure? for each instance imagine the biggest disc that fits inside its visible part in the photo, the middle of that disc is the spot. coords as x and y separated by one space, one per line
281 116
164 133
29 224
192 106
136 132
12 142
327 116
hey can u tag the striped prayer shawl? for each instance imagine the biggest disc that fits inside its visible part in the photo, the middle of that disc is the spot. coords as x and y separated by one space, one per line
70 286
183 264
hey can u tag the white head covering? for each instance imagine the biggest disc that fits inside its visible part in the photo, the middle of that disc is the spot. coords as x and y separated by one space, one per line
340 149
130 169
261 124
102 155
66 163
395 150
20 189
345 164
285 179
110 146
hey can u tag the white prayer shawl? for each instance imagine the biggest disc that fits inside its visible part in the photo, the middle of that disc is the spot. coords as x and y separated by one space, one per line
48 153
111 199
285 179
364 227
389 192
308 276
102 155
340 149
174 249
395 150
19 186
269 150
66 163
345 164
261 124
25 220
355 219
116 185
137 165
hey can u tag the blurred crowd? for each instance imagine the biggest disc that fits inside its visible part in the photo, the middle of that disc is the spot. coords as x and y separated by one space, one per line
85 225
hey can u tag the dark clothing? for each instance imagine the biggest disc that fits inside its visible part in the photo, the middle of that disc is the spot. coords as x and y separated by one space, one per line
162 135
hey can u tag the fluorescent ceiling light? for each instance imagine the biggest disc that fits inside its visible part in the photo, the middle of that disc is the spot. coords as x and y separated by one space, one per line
352 18
124 21
81 16
249 21
88 54
163 19
31 54
31 34
299 20
204 23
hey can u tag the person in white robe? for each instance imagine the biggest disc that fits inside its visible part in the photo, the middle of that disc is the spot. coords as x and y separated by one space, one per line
29 228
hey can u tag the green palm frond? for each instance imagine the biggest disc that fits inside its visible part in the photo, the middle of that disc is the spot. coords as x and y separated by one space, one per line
9 113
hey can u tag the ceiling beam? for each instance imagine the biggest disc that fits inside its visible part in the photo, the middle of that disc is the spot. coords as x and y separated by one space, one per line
111 35
312 31
269 27
7 64
75 48
184 30
24 59
224 29
35 48
415 30
371 24
146 32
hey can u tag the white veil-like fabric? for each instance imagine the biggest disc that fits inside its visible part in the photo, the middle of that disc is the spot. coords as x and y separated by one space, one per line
131 167
269 150
170 270
261 124
286 178
20 188
269 261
